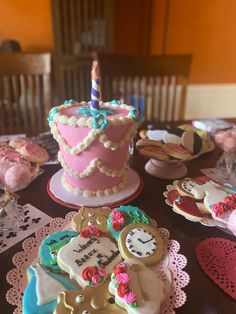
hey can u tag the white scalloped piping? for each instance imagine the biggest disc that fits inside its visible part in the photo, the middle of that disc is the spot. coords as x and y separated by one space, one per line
99 193
88 121
92 136
114 146
94 164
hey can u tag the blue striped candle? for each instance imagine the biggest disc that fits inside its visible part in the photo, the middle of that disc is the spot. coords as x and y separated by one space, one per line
95 90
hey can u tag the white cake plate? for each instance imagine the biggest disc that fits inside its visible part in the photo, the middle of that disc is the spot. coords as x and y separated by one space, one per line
58 193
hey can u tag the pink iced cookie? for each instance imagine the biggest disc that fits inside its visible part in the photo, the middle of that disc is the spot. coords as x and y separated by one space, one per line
3 144
20 141
14 157
33 152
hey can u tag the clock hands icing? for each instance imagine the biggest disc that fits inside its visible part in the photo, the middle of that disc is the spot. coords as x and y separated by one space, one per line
144 242
137 268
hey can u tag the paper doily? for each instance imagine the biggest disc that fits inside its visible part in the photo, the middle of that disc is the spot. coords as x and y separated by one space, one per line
173 260
171 193
217 258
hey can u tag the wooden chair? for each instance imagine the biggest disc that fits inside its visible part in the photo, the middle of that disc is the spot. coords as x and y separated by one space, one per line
25 92
155 84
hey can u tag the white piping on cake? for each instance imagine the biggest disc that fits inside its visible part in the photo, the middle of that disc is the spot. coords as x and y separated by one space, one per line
99 193
94 164
107 143
92 136
88 121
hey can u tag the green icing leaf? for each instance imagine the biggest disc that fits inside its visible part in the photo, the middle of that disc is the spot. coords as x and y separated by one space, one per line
133 305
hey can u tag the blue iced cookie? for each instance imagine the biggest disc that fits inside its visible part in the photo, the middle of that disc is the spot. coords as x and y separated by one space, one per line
40 296
51 245
122 216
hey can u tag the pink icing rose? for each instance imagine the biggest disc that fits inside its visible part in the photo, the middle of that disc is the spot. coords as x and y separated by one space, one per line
91 229
95 279
120 268
220 208
130 297
230 200
101 272
122 278
117 219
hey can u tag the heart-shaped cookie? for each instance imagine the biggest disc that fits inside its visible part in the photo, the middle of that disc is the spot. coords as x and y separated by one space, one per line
171 196
217 258
188 208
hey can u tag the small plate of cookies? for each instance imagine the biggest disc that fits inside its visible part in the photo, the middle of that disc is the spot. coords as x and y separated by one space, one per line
203 200
168 149
99 261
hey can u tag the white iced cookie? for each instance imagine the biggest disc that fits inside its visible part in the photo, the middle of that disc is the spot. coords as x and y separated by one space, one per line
186 187
88 260
156 135
211 192
137 288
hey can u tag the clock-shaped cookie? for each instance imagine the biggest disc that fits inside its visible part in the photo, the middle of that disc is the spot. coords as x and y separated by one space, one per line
142 242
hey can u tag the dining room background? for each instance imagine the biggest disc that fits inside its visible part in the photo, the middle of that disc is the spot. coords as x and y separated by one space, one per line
202 28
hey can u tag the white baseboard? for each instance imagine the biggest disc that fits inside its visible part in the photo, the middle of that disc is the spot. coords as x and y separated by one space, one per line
211 101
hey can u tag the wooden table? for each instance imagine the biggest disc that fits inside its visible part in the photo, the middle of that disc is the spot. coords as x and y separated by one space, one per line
203 296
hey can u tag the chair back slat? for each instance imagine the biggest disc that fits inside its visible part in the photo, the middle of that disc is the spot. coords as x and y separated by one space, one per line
159 81
25 92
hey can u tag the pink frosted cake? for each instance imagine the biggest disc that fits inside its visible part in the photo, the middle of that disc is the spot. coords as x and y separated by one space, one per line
93 149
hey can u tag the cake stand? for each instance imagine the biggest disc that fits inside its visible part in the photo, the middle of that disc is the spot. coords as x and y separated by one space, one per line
166 169
58 193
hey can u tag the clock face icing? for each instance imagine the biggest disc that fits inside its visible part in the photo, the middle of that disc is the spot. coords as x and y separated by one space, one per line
141 243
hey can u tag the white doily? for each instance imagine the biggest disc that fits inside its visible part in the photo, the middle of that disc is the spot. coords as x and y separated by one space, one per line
174 261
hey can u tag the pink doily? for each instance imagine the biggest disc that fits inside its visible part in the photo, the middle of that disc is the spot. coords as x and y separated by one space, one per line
173 260
217 257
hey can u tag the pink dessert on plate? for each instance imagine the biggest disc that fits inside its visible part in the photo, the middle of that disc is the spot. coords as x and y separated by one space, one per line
93 149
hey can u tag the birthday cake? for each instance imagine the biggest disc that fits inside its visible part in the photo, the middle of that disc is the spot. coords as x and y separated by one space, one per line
93 146
94 142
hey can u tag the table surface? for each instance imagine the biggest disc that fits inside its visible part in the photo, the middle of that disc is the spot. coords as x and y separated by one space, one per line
203 296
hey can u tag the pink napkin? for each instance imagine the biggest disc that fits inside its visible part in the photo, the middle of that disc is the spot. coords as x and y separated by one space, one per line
217 258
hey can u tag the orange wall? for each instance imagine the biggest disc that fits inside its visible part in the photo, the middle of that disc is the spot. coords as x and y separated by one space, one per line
205 28
27 21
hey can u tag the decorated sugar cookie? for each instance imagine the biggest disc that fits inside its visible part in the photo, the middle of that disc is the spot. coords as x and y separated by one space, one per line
152 149
88 216
177 151
89 260
137 288
222 210
89 300
212 193
186 186
142 242
174 136
190 209
189 139
122 216
50 246
43 289
33 152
